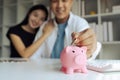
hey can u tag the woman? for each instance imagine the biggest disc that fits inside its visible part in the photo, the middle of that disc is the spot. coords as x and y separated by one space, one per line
22 35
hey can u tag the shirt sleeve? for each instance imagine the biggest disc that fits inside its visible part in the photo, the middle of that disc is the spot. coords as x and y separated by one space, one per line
97 51
11 30
83 24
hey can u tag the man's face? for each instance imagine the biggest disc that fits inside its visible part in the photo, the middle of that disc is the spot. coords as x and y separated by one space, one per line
61 8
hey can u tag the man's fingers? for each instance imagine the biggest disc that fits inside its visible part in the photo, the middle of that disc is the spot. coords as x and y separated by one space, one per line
86 34
75 35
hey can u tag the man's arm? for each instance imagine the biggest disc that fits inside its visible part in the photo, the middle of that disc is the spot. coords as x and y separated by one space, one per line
86 38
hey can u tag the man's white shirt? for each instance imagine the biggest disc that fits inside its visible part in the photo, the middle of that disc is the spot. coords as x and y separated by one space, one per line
75 24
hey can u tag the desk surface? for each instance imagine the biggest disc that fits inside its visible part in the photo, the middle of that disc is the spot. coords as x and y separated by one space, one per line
44 69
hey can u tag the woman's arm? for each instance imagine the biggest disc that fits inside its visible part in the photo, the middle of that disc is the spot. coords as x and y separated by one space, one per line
26 52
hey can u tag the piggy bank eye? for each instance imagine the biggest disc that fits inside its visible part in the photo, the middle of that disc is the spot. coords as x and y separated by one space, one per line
73 51
82 51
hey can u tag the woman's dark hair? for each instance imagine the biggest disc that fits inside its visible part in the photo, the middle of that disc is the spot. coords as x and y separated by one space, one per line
35 7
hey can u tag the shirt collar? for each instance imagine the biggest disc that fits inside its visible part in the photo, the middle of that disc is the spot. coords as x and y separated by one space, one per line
70 18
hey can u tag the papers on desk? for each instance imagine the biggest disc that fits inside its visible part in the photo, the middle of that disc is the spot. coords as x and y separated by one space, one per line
104 65
9 60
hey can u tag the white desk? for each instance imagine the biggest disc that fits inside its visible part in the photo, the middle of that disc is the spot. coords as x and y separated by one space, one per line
45 69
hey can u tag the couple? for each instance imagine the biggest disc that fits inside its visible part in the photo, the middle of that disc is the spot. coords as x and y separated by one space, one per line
52 35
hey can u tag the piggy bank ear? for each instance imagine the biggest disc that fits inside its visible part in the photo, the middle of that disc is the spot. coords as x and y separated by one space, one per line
84 49
68 49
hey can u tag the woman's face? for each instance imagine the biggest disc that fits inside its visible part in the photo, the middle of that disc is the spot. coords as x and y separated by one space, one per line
36 18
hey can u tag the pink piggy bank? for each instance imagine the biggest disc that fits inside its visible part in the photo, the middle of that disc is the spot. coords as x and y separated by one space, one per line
73 59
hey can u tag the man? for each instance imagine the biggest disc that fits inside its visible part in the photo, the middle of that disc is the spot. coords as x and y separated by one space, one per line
75 29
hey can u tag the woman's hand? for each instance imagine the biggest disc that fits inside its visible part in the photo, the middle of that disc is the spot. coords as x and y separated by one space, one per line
85 38
49 26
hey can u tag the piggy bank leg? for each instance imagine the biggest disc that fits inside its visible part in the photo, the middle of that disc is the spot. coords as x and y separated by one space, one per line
84 70
69 71
63 69
78 70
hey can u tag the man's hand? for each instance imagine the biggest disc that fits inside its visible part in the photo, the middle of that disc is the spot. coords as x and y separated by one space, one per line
85 38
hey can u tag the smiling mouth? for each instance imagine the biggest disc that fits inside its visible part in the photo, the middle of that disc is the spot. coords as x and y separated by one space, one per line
60 11
34 24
